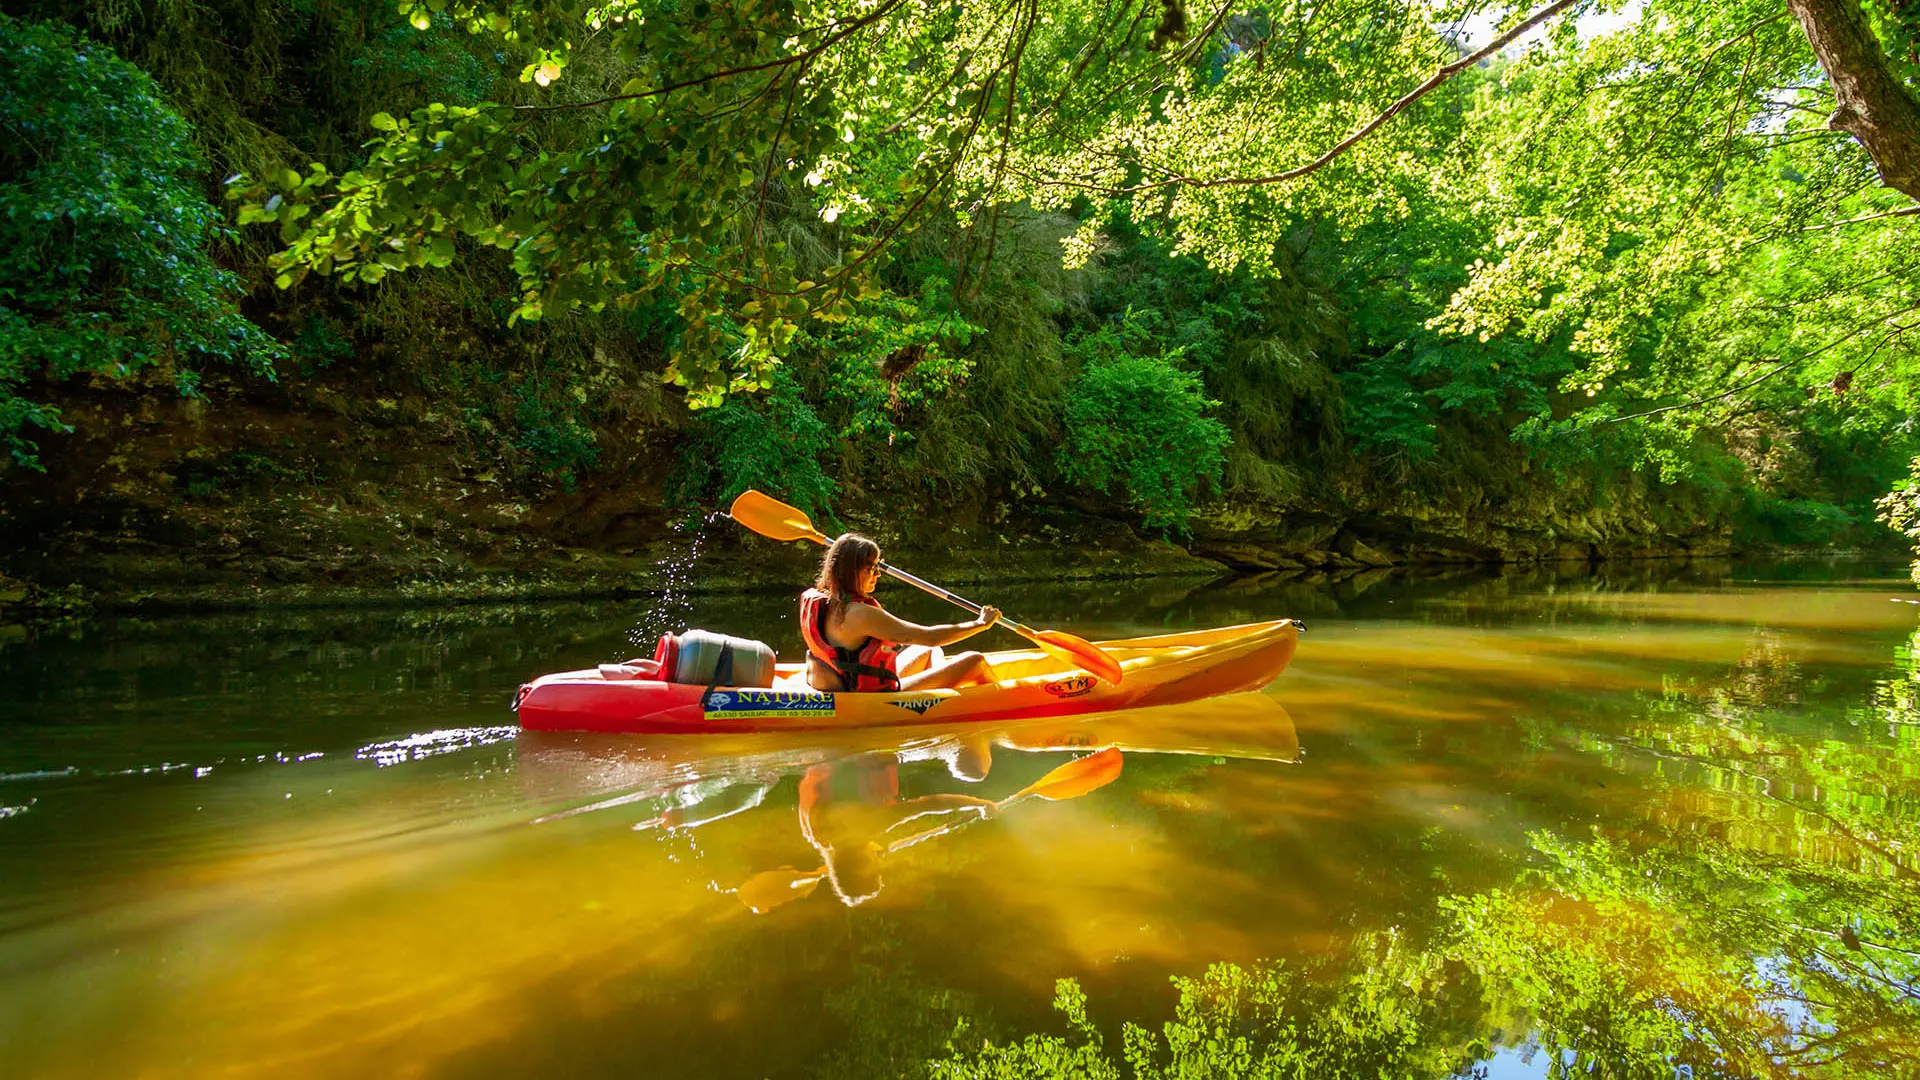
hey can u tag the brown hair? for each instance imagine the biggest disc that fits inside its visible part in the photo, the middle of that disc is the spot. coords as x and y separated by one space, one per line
840 567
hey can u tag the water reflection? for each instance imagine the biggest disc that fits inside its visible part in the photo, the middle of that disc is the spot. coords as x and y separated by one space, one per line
1610 826
850 806
1718 876
851 811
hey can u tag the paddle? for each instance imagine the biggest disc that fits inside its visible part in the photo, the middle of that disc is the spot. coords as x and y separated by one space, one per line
770 888
776 520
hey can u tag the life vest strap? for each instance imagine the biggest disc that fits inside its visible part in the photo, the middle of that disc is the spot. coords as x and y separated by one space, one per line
868 668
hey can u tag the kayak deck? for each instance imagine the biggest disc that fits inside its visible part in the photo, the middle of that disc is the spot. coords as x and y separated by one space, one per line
1160 670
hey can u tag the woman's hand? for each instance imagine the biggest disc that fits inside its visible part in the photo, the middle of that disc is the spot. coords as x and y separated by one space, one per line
989 615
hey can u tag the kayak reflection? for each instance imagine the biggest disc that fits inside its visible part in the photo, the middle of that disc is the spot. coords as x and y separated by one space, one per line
851 810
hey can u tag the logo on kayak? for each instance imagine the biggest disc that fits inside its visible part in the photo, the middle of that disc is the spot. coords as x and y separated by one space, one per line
918 705
767 704
1073 687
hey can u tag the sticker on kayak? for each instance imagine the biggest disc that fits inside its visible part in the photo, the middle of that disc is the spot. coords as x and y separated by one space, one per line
919 706
767 704
1073 687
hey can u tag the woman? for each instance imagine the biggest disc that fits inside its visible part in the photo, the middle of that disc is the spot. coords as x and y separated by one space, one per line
853 644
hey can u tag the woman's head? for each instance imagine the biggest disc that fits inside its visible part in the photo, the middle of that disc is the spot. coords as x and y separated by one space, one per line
850 567
854 871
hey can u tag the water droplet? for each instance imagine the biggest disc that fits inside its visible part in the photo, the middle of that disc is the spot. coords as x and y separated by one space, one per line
670 611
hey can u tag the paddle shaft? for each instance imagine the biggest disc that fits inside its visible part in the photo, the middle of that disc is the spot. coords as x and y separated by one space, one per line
951 597
1069 781
941 830
776 520
920 583
927 834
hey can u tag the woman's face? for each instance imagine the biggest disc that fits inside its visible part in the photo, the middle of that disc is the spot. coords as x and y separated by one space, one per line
869 577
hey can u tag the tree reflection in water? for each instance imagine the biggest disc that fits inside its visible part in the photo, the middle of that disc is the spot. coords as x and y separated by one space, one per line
1760 919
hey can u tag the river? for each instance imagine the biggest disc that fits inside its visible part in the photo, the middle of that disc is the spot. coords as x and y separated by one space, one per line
1653 820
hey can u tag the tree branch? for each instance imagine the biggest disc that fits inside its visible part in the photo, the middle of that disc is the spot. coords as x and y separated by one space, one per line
1172 58
1905 211
766 172
1006 146
782 61
1777 368
1438 78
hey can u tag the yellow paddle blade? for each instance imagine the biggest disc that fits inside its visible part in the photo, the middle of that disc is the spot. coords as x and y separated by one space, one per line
772 518
770 888
1077 777
1079 652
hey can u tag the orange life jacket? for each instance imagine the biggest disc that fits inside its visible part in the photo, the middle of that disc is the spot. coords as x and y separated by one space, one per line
871 667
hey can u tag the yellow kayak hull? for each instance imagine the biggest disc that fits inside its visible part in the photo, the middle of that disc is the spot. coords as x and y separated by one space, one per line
1165 669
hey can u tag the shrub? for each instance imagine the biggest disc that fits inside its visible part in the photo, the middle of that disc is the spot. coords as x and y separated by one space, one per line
549 433
1900 511
771 441
1136 425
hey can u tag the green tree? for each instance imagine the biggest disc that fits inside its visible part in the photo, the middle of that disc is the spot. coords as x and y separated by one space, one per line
1653 240
1900 509
104 234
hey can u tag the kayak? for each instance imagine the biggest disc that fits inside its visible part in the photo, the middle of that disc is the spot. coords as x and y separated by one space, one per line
1163 670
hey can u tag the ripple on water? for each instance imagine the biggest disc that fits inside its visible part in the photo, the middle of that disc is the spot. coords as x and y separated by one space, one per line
38 774
434 743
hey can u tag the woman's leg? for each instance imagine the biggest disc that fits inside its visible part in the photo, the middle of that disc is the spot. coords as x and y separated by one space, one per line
965 669
915 659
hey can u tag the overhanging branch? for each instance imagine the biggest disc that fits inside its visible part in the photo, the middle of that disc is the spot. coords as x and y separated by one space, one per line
1777 368
1438 78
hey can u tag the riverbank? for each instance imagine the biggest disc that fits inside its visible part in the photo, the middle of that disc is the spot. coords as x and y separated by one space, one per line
309 548
304 548
717 559
272 497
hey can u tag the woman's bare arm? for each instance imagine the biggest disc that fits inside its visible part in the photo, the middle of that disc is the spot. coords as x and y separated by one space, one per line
865 621
911 809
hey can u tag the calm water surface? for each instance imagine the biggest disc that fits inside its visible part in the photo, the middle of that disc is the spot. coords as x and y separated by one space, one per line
1654 822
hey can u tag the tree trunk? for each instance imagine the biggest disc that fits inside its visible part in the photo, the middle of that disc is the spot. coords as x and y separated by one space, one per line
1873 105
